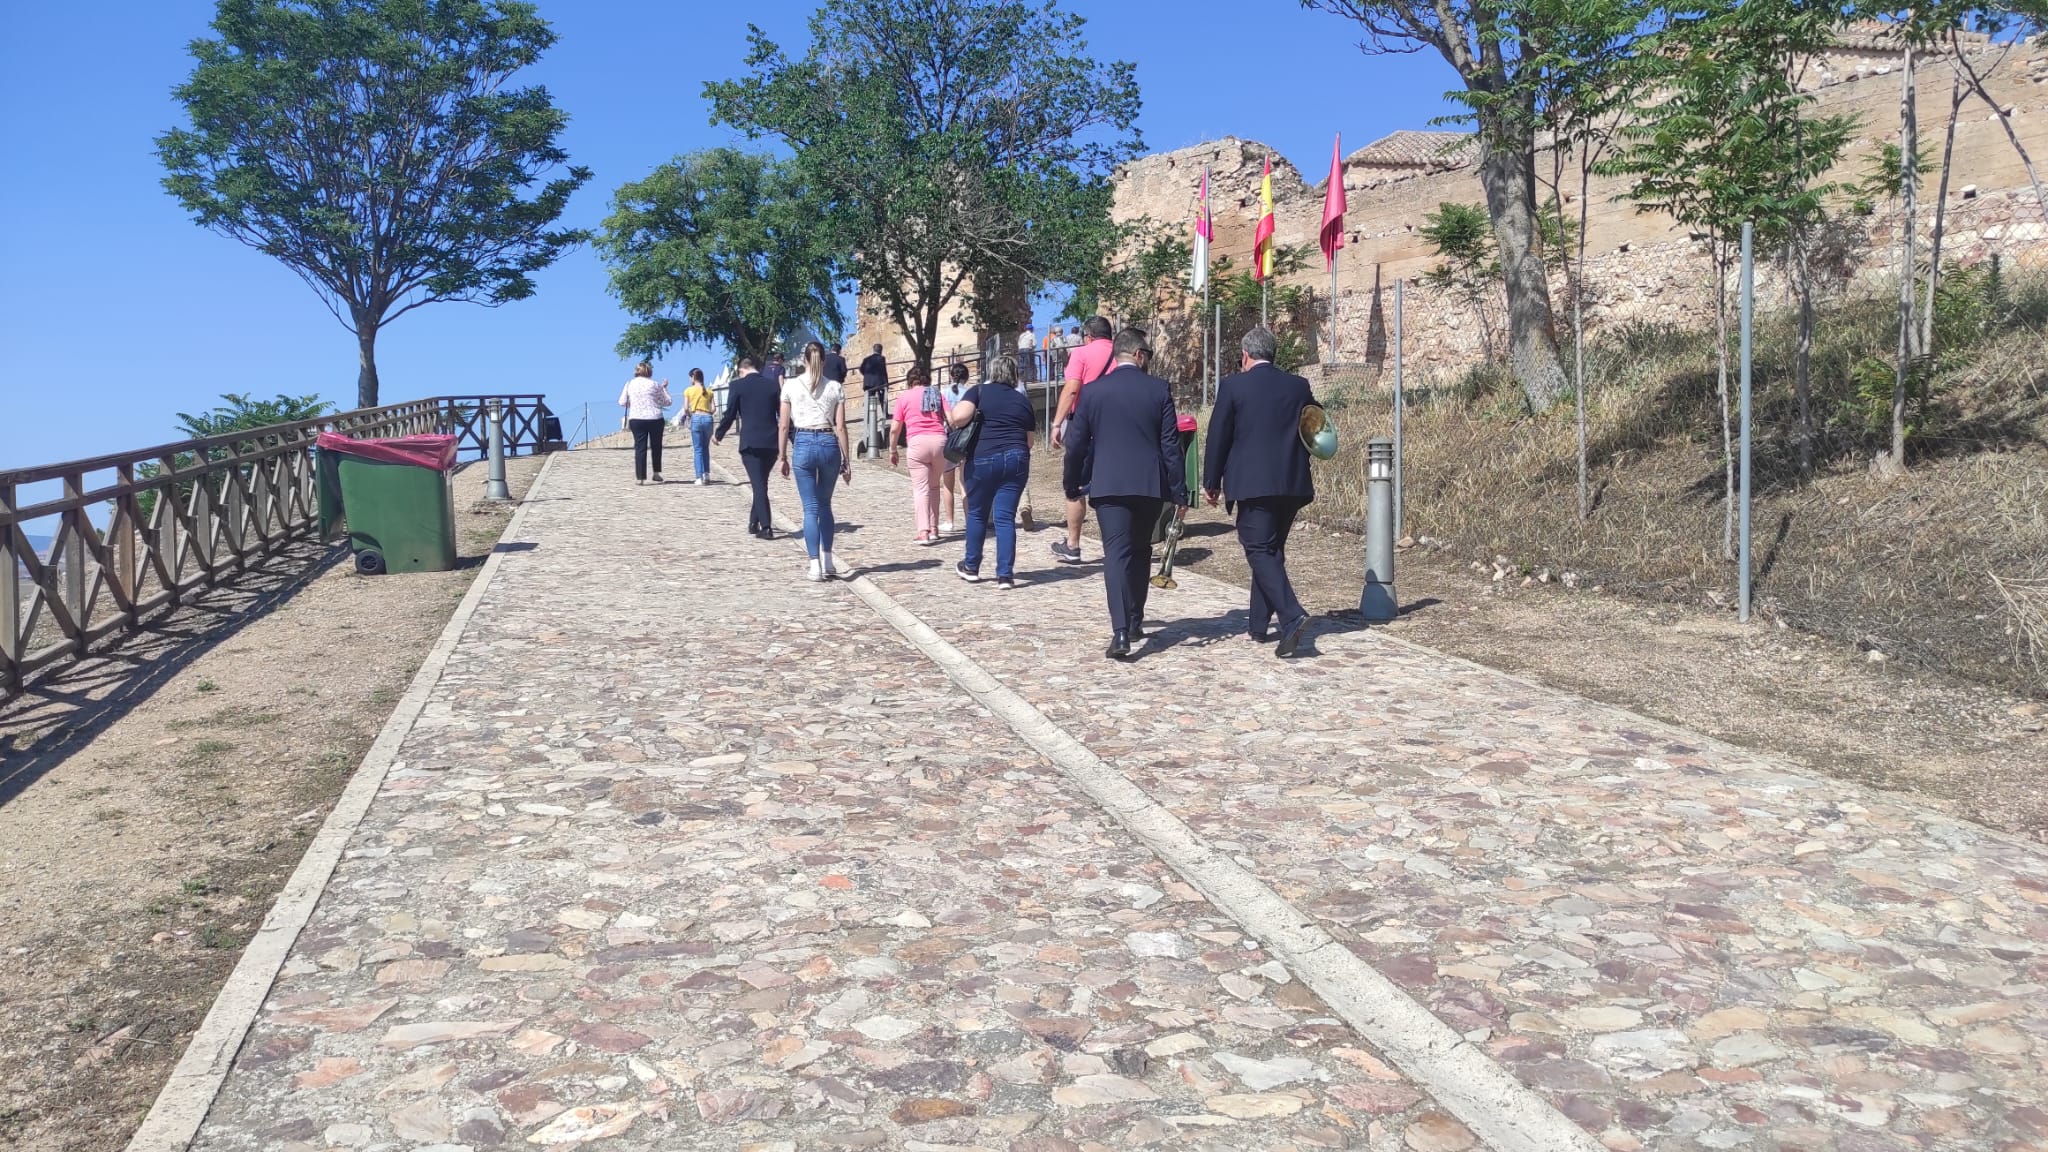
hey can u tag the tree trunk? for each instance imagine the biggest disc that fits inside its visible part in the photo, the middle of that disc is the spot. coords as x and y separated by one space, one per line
1948 151
1727 419
366 371
1579 331
1909 150
2004 121
1532 343
1802 359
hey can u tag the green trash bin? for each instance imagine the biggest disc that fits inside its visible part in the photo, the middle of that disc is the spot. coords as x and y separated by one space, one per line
1191 459
395 496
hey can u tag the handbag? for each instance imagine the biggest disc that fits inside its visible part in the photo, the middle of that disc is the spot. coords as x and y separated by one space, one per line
960 441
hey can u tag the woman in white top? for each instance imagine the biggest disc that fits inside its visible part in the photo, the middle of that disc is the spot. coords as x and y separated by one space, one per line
814 446
644 400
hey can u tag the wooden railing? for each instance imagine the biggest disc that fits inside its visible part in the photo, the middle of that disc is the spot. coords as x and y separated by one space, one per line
183 517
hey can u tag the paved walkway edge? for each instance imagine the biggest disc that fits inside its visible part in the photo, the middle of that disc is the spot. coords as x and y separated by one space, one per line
1503 1112
181 1107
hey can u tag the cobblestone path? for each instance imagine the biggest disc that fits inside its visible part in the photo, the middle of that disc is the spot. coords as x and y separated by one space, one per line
689 853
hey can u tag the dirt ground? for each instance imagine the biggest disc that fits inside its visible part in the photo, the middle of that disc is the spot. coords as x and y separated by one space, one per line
153 802
1968 749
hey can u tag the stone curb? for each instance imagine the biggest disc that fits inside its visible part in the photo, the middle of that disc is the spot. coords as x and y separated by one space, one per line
188 1095
1503 1112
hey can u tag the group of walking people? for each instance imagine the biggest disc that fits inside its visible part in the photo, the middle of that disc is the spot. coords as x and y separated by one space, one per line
1115 422
647 401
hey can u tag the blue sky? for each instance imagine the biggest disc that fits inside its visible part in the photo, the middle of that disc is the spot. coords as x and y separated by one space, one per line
117 312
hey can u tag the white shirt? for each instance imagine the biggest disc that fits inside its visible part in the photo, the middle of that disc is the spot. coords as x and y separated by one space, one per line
643 398
812 411
1027 341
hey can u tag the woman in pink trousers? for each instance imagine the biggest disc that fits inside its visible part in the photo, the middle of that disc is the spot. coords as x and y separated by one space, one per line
919 423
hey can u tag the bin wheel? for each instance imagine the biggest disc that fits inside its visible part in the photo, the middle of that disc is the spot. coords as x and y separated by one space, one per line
370 562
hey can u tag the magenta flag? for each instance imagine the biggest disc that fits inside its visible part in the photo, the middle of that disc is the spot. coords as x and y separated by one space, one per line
1333 205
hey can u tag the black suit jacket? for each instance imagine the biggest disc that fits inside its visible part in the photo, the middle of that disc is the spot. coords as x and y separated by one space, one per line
874 373
1254 449
835 367
757 405
1124 439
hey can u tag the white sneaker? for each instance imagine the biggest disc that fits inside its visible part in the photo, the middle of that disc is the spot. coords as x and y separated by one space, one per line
946 527
816 573
832 569
700 481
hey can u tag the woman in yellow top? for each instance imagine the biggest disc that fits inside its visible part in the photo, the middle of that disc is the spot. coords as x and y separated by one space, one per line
698 403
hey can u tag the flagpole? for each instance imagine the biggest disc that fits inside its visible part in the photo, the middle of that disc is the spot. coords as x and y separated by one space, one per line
1208 358
1333 310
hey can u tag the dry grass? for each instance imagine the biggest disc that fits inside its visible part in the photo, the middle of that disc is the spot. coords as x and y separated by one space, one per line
1945 568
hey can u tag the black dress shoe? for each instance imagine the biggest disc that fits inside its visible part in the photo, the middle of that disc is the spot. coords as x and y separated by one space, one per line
1137 630
1290 635
1119 646
1260 637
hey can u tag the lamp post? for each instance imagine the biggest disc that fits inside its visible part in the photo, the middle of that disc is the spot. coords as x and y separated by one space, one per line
1378 601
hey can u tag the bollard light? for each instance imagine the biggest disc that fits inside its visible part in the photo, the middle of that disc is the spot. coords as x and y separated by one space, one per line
494 483
1377 601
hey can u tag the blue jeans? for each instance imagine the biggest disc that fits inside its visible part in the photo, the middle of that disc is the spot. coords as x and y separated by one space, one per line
700 442
814 458
995 483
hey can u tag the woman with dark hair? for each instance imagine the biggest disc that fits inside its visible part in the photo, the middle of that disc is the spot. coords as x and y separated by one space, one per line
814 447
919 425
999 468
698 404
644 401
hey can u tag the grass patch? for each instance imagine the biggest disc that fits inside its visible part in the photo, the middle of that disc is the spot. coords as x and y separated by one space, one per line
230 717
208 686
1913 567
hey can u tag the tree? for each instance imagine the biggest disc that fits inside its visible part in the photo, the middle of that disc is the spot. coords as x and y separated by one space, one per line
1461 235
1592 78
238 412
1728 141
1497 49
1149 261
376 149
960 149
717 246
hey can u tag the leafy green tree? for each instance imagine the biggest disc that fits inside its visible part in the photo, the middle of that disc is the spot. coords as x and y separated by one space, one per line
961 149
719 246
377 149
1470 268
1728 139
239 412
1153 260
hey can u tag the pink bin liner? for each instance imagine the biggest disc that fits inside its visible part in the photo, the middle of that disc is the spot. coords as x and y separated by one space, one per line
436 452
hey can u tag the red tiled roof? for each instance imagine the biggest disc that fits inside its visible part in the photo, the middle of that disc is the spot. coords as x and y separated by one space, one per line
1410 149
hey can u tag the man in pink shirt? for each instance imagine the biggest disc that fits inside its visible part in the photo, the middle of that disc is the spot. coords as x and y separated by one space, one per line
1085 365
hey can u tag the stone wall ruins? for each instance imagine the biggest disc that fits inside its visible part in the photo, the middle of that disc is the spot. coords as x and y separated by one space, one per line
1640 266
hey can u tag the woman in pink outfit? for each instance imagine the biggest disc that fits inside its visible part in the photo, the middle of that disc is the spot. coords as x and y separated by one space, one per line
919 423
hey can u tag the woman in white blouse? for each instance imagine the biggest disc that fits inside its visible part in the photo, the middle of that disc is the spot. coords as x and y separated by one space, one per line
644 399
814 446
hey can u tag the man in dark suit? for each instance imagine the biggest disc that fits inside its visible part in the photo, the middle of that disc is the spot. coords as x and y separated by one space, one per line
1123 445
874 386
757 405
835 364
1255 457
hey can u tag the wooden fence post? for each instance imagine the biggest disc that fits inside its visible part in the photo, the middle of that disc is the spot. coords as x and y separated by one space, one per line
11 638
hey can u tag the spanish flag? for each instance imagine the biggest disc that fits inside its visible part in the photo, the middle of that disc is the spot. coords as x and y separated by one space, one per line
1262 239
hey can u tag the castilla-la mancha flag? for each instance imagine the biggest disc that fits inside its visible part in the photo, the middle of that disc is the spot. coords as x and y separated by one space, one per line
1262 238
1333 205
1204 233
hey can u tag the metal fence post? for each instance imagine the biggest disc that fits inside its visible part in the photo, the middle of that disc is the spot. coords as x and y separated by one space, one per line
495 487
1378 601
1742 591
1400 403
